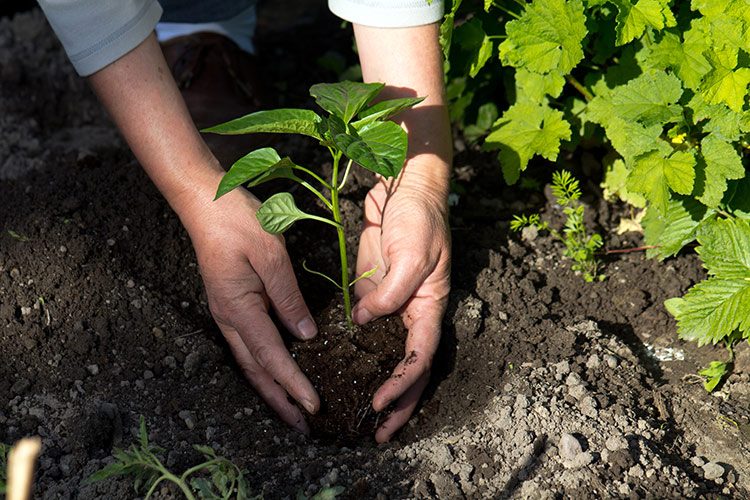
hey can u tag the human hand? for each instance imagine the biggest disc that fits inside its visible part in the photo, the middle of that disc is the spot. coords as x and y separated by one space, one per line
245 270
406 236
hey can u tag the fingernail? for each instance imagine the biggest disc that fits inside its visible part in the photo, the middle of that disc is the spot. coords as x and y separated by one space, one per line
362 315
309 406
307 328
302 427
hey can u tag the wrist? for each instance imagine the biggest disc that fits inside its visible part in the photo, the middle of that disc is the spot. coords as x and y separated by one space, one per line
193 190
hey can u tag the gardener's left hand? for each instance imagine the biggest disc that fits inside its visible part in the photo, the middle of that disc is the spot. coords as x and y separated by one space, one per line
406 236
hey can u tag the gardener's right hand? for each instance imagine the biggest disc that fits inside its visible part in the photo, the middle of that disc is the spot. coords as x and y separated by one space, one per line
245 270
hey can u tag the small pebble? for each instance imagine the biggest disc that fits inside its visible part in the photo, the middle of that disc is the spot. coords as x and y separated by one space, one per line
569 447
610 360
63 249
110 242
188 418
130 284
93 369
615 443
157 332
713 471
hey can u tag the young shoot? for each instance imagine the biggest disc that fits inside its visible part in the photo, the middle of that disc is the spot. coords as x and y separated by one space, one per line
352 129
579 245
215 478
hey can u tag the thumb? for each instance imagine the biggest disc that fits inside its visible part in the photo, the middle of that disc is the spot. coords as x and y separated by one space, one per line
283 292
391 294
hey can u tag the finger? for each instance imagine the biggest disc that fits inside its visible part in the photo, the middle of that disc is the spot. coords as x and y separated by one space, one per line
403 410
262 339
267 388
282 289
422 317
398 285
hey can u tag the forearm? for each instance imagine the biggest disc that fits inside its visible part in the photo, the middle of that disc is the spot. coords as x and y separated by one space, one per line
409 61
140 94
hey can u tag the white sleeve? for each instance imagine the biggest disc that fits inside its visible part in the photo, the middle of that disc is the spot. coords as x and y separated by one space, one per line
388 13
96 33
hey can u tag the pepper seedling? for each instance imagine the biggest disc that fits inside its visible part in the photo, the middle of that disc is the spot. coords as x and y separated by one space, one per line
353 130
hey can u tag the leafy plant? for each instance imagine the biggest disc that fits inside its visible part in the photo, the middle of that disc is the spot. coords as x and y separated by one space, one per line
215 478
579 245
4 450
354 129
663 83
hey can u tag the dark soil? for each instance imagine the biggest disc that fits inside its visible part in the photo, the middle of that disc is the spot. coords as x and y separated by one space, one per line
544 387
346 366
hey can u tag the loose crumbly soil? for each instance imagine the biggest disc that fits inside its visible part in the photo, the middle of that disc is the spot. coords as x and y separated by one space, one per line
347 365
544 387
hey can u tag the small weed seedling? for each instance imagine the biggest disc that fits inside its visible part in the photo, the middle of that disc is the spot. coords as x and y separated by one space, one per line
579 245
216 478
353 130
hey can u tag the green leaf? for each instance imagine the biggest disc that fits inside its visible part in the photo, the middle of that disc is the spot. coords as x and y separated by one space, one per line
255 167
713 309
632 20
534 87
523 131
686 58
725 248
329 493
722 164
675 229
725 84
713 374
546 38
446 30
655 174
345 99
649 99
717 118
473 40
737 198
283 121
143 433
378 146
279 212
615 184
385 109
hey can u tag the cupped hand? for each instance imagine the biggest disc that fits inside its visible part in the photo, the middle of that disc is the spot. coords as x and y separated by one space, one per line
245 271
406 237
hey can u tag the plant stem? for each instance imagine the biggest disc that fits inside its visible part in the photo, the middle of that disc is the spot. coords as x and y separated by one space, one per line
346 175
317 193
580 88
168 476
342 239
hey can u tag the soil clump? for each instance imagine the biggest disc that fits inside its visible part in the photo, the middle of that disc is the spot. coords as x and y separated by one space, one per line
346 365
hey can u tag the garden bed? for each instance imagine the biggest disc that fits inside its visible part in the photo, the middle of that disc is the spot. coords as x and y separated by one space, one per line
544 385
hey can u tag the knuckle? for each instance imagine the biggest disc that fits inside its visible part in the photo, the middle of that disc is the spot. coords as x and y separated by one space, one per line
289 301
264 355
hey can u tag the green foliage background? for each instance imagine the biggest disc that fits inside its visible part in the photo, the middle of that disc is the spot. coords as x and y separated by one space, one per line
664 83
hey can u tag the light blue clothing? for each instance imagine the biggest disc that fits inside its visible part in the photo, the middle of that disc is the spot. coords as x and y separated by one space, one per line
96 33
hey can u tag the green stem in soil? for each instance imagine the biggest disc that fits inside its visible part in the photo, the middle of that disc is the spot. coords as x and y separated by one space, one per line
168 476
580 88
342 239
